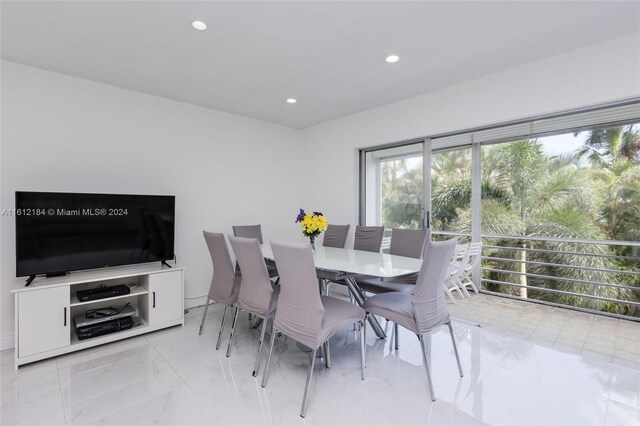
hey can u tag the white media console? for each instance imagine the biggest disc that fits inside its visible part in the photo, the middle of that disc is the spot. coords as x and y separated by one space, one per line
44 311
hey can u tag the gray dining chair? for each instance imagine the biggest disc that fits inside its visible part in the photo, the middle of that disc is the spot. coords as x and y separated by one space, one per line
254 231
426 309
407 243
306 316
404 242
258 295
248 231
368 238
335 236
225 285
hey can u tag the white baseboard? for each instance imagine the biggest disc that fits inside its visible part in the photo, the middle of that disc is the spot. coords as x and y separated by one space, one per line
7 342
194 302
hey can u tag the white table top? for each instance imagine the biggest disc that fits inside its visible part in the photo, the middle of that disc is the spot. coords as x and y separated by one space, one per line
359 262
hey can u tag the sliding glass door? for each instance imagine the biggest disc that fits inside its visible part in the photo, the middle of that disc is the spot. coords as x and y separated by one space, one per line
394 190
560 218
554 201
451 194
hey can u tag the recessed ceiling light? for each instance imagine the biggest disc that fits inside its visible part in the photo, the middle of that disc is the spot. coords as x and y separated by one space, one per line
392 59
199 25
291 101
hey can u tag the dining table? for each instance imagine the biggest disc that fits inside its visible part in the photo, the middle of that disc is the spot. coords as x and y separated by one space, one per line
343 265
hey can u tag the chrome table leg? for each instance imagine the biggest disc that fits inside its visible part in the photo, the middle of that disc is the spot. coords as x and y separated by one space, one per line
357 294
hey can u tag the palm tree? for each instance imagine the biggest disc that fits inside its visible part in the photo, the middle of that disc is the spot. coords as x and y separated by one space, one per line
615 155
526 193
450 170
401 194
607 147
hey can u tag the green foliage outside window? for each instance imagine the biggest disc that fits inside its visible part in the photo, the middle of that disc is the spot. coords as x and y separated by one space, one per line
592 193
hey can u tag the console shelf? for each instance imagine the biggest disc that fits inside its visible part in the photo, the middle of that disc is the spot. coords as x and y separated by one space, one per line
136 291
107 338
44 311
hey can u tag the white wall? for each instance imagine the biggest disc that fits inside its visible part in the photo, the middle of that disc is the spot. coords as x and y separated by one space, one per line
589 76
61 133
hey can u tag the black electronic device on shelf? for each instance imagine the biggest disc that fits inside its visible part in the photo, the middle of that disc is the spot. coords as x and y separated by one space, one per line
102 292
106 327
98 315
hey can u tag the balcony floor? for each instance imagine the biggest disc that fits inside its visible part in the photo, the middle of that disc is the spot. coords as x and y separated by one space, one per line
525 364
596 336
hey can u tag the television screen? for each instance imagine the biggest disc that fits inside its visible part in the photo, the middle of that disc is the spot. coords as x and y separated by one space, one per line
60 232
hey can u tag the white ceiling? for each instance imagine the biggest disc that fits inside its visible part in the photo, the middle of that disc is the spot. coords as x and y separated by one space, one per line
328 55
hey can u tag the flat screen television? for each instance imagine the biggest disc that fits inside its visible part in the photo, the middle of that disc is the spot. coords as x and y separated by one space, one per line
60 232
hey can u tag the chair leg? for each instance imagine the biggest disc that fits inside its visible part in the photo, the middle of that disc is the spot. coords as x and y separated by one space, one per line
462 287
395 333
233 334
322 285
266 368
457 289
363 343
257 366
353 302
303 409
327 354
469 281
257 322
204 315
455 349
224 320
426 367
448 292
328 285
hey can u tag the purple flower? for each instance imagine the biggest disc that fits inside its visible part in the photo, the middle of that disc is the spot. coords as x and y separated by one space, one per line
300 216
317 213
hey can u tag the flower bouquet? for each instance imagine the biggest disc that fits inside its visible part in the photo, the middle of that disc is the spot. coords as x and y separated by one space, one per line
312 225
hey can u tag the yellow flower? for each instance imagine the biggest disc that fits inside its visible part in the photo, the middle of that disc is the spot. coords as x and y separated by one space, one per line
313 225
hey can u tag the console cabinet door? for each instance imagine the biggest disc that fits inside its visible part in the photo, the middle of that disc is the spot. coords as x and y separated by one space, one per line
165 297
43 320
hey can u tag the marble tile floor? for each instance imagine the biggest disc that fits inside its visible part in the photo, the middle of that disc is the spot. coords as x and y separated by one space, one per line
524 364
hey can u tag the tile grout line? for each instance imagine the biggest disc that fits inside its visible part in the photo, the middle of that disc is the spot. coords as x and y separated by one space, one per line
610 383
206 408
64 408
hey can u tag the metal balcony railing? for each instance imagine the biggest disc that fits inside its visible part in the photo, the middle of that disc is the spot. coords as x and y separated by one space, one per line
590 275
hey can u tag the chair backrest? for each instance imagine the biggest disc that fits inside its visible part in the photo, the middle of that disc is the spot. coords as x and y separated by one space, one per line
459 260
248 231
256 291
368 238
430 308
335 236
223 273
474 254
300 310
408 242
